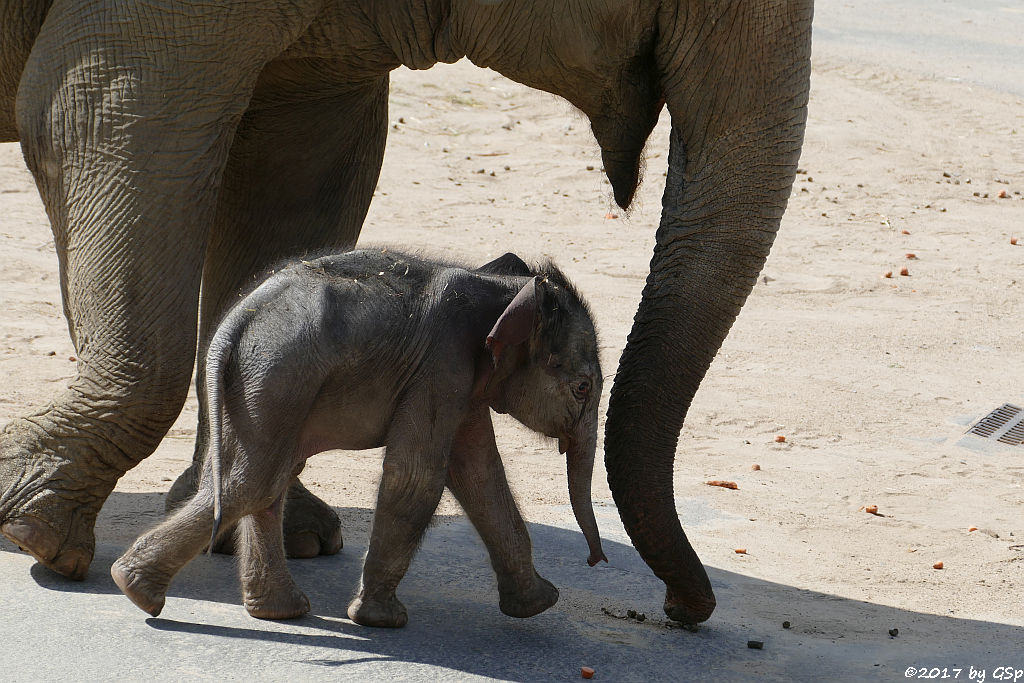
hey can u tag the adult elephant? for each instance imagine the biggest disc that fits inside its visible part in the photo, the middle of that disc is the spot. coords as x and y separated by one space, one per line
179 143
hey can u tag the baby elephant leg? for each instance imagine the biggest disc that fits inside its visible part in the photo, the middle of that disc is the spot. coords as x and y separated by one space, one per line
146 569
477 479
268 590
411 485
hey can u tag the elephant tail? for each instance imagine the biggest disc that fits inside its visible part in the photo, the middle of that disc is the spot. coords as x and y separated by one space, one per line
224 342
216 361
222 346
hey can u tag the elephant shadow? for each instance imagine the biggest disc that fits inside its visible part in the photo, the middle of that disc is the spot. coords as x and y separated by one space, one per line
455 623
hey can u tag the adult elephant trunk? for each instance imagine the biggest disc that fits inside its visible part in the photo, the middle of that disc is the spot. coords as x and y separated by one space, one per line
738 108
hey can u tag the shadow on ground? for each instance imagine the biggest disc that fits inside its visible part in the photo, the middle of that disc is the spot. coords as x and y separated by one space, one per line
456 630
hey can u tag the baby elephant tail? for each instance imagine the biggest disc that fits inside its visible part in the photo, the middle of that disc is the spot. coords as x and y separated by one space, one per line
225 341
216 360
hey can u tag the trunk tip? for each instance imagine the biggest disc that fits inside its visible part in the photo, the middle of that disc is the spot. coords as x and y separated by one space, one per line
693 609
596 557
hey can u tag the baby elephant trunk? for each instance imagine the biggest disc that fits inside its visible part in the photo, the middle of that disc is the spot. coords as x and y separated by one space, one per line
580 469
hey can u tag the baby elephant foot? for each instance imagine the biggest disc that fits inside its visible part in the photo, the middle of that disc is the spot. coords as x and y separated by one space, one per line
146 590
288 603
389 613
522 603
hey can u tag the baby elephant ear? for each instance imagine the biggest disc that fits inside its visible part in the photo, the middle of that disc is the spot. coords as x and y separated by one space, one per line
516 322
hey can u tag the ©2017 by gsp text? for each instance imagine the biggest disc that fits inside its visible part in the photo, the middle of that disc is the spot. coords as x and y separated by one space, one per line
967 673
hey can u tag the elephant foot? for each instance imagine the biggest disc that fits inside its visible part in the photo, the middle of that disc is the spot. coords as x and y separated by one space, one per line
689 609
283 602
386 613
147 592
528 602
51 491
311 527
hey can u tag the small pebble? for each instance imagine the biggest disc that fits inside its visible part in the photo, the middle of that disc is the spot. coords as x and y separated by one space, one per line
786 624
755 467
586 672
894 632
1013 240
755 644
937 565
904 272
973 528
780 439
740 551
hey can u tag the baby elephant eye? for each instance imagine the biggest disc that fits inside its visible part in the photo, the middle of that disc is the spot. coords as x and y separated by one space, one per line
581 389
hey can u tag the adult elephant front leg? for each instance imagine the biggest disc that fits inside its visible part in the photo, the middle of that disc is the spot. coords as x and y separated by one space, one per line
125 119
299 179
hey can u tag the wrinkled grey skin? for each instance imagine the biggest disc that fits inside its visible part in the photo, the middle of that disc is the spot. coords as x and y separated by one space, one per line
374 348
179 143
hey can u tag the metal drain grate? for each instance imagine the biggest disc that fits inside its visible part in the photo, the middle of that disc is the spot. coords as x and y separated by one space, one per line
1005 424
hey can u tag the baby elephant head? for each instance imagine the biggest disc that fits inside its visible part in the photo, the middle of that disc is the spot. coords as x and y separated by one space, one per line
547 375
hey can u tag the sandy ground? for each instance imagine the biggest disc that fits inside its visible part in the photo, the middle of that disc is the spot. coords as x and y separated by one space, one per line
872 380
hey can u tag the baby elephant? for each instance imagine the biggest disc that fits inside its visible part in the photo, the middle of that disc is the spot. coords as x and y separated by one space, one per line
373 348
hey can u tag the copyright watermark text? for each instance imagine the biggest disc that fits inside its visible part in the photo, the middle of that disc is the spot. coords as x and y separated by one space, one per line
969 673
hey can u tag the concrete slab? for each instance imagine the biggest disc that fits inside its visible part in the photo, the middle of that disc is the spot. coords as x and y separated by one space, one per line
57 629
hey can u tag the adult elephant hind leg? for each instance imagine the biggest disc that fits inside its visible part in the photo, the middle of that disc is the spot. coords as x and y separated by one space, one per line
299 179
129 185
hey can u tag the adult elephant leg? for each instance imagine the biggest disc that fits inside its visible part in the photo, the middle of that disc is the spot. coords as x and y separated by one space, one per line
126 138
299 180
738 104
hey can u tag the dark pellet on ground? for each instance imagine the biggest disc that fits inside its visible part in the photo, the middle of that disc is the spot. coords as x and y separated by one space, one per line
755 644
786 624
631 613
894 632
